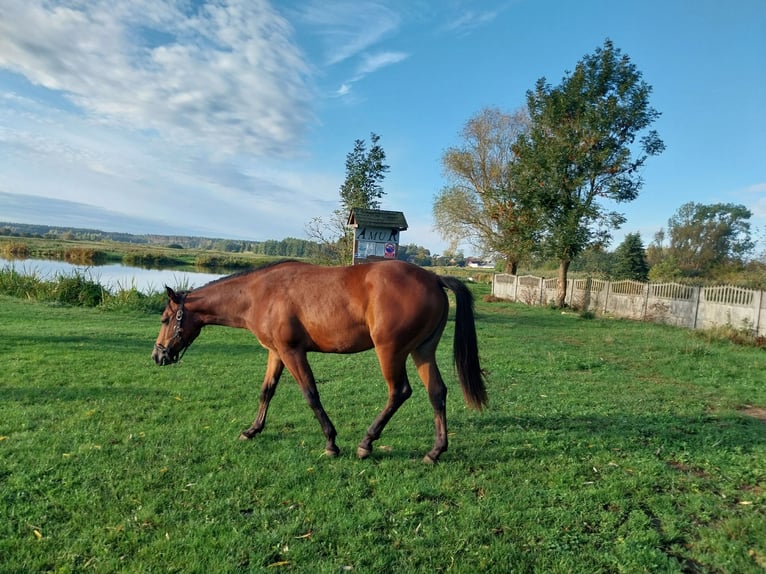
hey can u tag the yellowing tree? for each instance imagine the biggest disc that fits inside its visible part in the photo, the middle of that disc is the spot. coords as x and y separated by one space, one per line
480 204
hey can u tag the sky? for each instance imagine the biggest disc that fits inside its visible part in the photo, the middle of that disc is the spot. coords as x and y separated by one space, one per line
233 118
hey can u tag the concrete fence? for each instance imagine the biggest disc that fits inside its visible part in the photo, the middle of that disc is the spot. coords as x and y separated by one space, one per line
670 303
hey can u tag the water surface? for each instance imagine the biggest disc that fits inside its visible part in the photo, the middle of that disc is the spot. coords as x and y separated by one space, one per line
114 277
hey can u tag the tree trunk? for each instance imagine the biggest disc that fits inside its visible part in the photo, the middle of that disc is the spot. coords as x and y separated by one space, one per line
511 265
561 283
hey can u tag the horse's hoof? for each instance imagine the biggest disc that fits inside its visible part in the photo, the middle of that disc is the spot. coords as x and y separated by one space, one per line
362 452
429 460
244 436
331 453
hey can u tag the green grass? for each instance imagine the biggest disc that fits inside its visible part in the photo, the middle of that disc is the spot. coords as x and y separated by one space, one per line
609 446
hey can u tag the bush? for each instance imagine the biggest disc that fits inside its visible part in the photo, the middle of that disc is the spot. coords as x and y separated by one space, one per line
133 299
77 290
16 250
150 260
84 256
23 286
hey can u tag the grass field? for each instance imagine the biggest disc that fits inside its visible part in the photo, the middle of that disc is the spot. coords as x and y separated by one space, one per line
609 446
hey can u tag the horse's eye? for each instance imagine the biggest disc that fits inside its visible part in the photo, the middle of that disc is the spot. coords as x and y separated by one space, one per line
165 321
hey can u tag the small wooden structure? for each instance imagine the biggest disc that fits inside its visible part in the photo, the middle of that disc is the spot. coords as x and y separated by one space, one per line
376 233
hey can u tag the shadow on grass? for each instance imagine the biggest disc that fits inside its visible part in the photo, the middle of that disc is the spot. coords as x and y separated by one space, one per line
657 435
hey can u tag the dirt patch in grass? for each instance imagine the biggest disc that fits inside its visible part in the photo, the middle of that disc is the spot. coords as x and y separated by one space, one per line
681 467
755 412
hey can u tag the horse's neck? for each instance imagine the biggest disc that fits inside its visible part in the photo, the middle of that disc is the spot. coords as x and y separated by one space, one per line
220 306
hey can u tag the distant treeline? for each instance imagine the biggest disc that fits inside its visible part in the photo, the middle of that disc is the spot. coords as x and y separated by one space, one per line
288 247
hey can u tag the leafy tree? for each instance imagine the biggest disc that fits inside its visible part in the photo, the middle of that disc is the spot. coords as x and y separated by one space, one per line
630 259
480 205
416 254
704 237
579 152
595 261
656 250
365 172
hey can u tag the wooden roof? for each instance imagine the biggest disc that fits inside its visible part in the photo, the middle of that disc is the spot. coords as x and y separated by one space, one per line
377 218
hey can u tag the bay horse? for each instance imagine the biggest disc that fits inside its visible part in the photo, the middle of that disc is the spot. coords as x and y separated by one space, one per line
294 308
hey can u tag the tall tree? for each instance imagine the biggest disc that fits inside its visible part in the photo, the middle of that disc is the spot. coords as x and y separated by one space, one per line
630 259
362 188
579 152
365 172
703 237
480 204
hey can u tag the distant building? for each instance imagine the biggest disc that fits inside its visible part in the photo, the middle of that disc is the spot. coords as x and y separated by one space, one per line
376 233
478 263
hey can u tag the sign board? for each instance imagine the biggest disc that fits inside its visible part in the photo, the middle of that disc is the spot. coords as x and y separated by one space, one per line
376 234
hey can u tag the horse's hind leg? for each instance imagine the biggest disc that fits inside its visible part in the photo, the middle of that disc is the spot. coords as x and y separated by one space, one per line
274 368
425 360
399 390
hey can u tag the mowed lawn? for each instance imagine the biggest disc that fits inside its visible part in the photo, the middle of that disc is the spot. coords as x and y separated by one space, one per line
608 446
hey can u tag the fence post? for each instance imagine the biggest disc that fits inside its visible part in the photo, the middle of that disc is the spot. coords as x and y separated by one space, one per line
697 293
758 302
646 302
606 295
516 288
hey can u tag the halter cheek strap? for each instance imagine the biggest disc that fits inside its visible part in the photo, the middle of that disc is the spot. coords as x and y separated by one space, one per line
178 332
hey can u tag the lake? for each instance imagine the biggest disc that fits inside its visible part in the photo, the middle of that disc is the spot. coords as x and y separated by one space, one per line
113 277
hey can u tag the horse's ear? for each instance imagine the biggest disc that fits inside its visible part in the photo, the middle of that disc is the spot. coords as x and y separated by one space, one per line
172 294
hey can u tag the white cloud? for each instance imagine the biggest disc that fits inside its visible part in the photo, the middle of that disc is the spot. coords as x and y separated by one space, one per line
226 74
349 28
373 62
469 20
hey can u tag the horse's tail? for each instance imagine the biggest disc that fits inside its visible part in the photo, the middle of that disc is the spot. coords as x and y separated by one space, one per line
466 349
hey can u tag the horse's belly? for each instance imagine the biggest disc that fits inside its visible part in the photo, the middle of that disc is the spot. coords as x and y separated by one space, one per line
342 339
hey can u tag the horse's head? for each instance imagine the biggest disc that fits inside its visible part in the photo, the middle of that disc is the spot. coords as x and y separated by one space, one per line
177 332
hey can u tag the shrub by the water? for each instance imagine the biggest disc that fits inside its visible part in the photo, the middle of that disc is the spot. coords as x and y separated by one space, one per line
16 250
78 290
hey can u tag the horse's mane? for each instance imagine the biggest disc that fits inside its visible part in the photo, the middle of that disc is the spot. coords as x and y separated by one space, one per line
248 271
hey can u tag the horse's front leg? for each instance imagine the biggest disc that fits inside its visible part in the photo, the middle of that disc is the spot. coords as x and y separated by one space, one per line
298 365
274 368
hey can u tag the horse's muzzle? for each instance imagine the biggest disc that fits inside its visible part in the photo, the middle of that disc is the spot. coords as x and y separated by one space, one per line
162 356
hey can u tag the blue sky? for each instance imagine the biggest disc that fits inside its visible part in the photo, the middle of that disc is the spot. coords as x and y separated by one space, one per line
233 118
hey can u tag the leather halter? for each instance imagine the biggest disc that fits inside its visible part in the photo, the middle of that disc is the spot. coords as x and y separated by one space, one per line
178 332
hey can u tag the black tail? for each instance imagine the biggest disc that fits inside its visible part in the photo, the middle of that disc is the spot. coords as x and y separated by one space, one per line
466 348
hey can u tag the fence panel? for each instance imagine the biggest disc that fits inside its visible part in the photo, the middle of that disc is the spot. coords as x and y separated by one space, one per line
504 286
588 294
627 299
671 303
729 305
